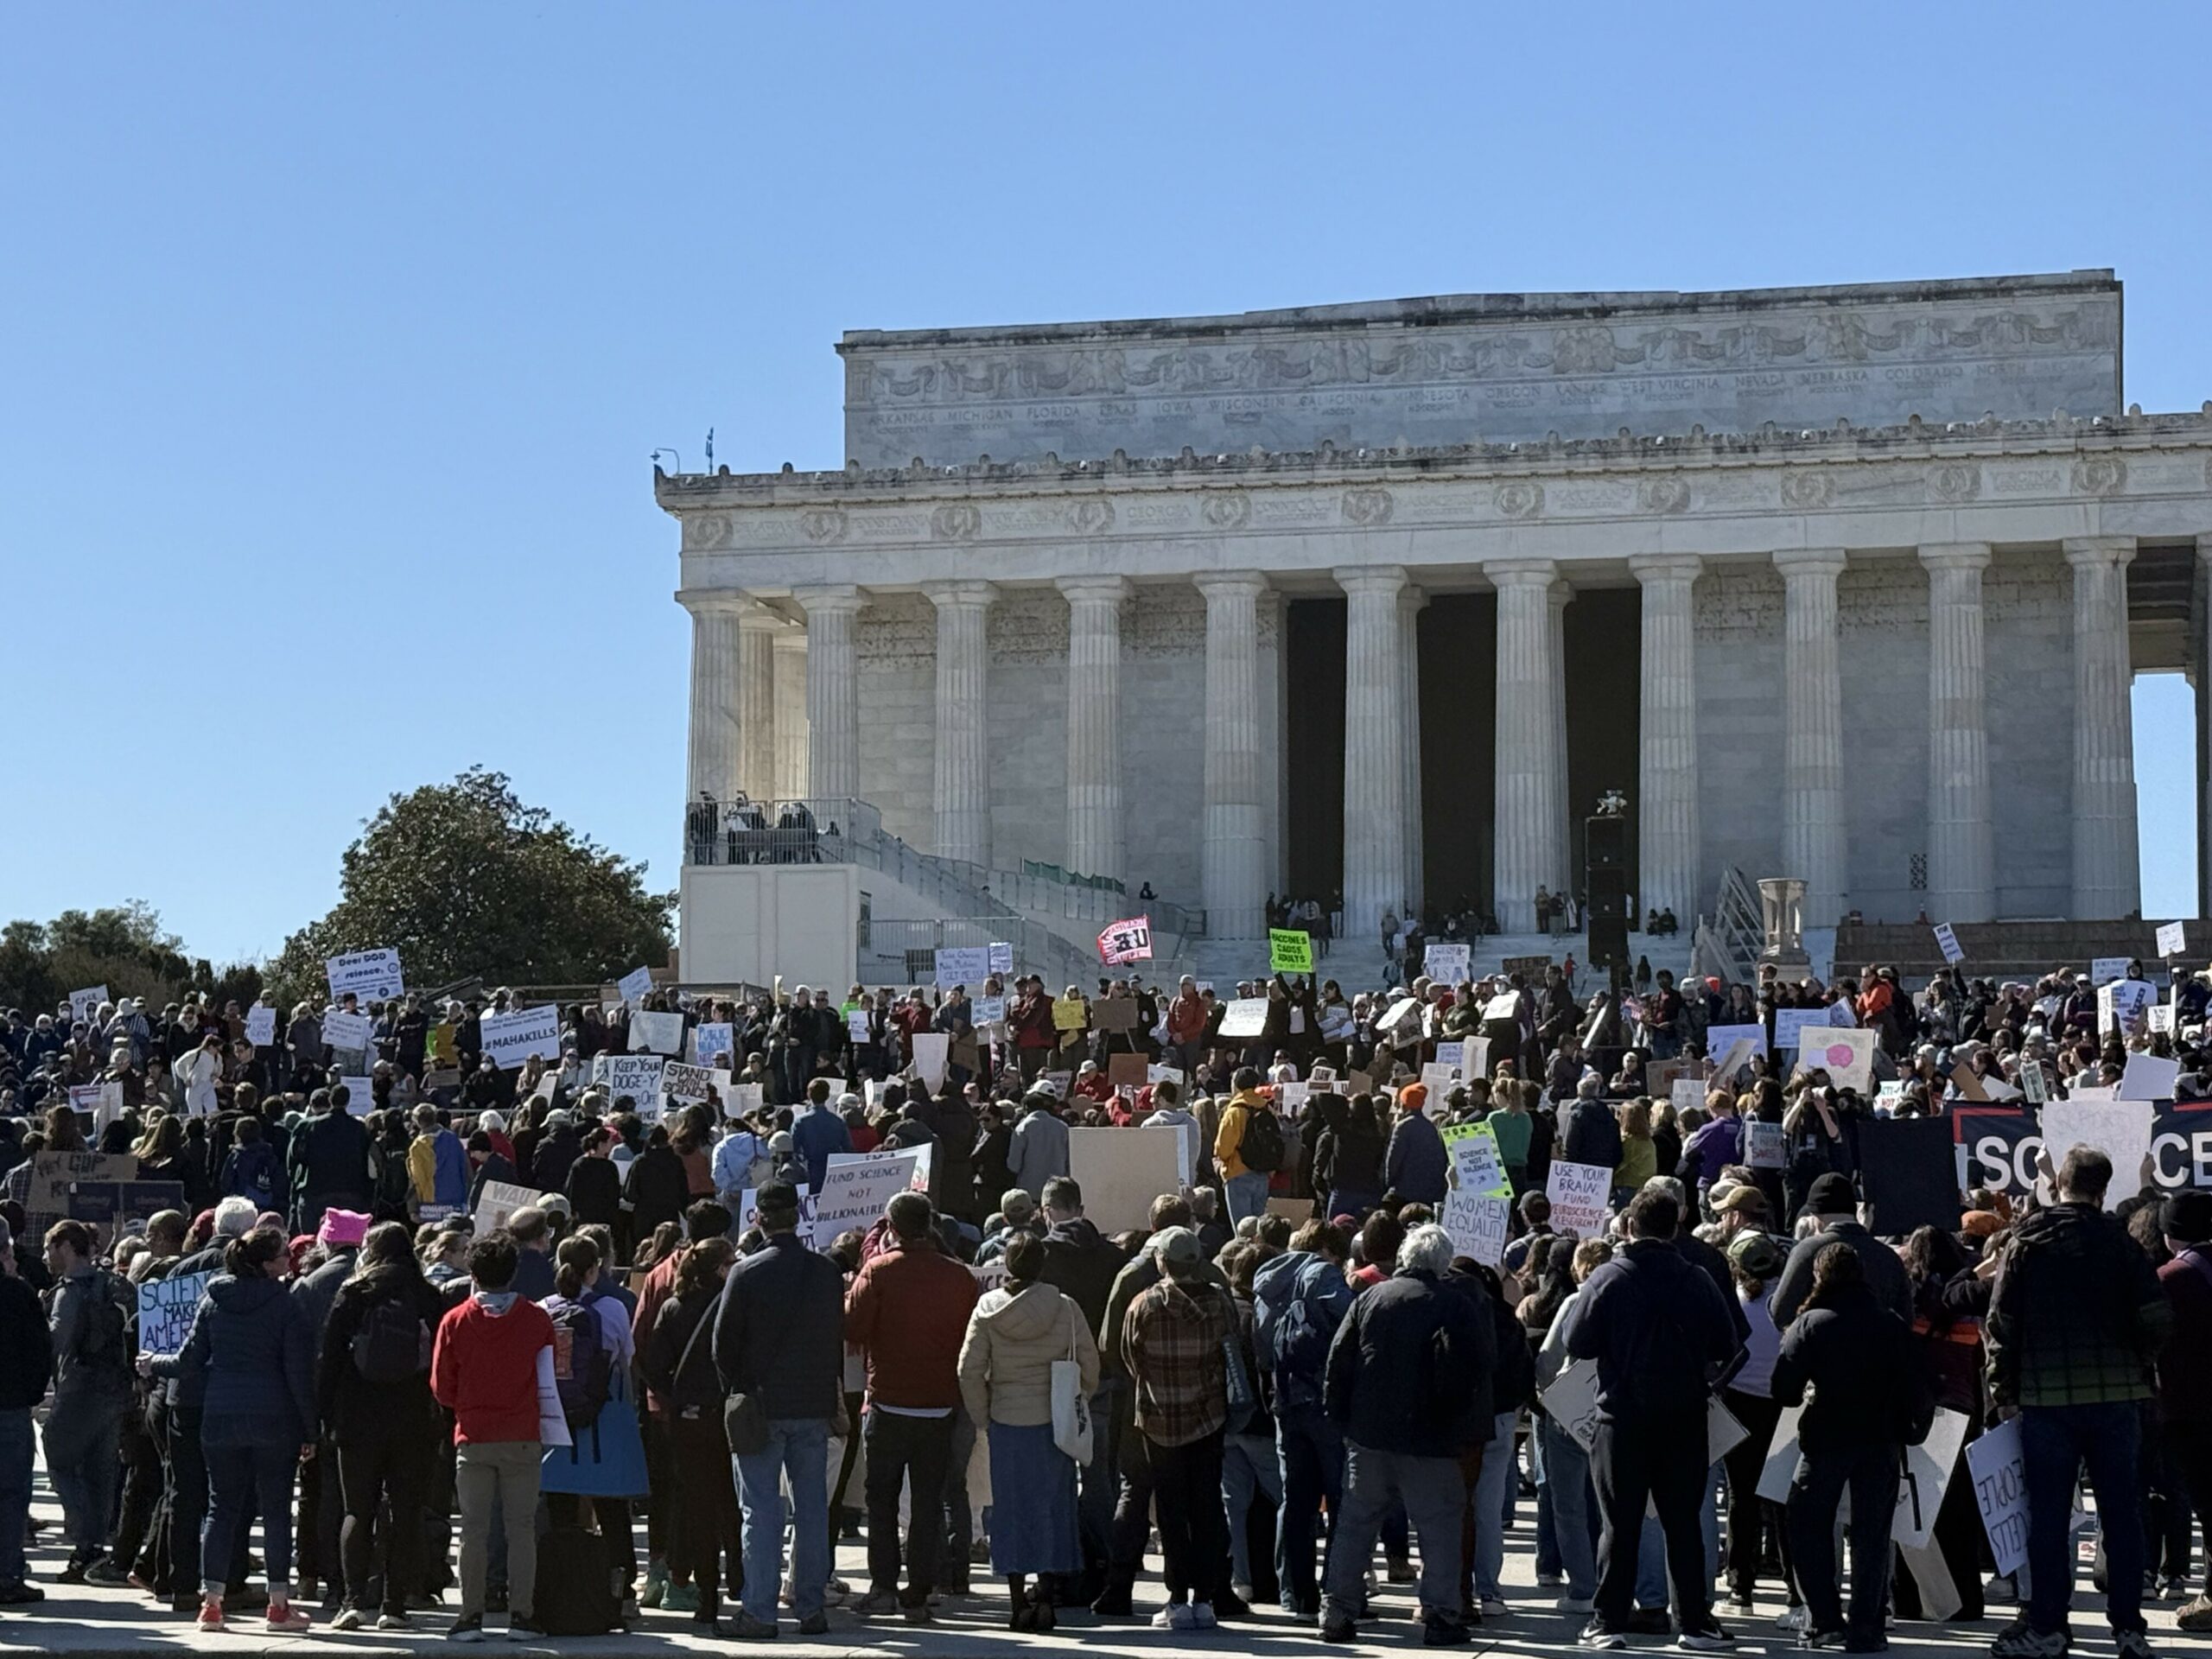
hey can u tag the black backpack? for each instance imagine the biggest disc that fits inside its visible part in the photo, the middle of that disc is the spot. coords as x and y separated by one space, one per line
1261 1147
105 1342
394 1342
575 1583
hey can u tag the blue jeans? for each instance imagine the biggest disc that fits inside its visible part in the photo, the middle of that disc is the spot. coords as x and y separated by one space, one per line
2055 1442
1312 1451
14 1492
1248 1465
1489 1499
798 1447
1247 1195
244 1477
1565 1472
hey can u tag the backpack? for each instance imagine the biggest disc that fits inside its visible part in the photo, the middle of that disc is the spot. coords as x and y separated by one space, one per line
1261 1147
575 1584
582 1369
393 1343
104 1344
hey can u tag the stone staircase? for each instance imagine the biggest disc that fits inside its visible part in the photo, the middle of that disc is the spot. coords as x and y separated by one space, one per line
2007 950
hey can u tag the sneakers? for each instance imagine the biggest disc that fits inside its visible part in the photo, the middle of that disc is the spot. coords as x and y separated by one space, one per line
2133 1645
1549 1580
656 1585
20 1594
1401 1571
521 1627
1437 1631
1175 1616
1793 1618
2020 1642
1495 1607
283 1618
1202 1616
746 1628
1338 1631
1821 1641
108 1573
1705 1636
1574 1604
394 1622
917 1612
1598 1635
1741 1604
2195 1616
469 1627
877 1603
349 1618
814 1624
211 1614
674 1598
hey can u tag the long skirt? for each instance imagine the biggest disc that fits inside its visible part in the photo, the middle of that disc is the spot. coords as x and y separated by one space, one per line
1033 1527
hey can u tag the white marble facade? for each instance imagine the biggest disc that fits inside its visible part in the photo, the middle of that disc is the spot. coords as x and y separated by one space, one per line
1887 648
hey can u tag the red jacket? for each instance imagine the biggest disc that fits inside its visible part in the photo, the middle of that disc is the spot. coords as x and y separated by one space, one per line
1032 1018
1186 1019
483 1369
909 1309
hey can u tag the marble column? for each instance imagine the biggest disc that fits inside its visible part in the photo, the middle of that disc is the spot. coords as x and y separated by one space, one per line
1530 853
2202 656
1410 603
756 700
1375 754
1233 848
963 795
1670 874
716 764
790 653
1961 849
1558 595
1093 843
2107 872
833 771
1812 846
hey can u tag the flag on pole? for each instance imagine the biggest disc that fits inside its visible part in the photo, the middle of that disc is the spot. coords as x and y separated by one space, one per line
1126 941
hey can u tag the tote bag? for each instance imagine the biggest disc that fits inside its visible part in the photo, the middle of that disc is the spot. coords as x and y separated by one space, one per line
1070 1407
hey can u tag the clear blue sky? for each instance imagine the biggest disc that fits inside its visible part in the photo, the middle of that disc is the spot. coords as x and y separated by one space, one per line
335 338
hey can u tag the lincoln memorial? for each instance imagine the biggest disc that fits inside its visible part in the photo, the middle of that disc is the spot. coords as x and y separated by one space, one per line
1848 584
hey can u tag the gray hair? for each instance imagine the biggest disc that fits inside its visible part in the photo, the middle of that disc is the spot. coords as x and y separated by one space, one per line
1428 1249
234 1217
1670 1186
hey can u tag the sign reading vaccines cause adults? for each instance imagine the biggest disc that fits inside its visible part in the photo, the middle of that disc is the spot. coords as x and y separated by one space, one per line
857 1185
165 1311
261 1026
656 1033
966 964
369 975
347 1033
511 1039
1578 1192
1290 951
633 1076
634 986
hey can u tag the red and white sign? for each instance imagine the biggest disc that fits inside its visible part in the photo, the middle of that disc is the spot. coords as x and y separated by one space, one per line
1126 941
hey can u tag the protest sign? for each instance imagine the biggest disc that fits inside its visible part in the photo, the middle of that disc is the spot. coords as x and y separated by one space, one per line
1069 1013
102 1189
635 986
713 1042
635 1076
1454 1055
2148 1077
1789 1023
1120 1173
1998 1146
656 1033
1475 1157
1116 1014
497 1201
1164 1074
857 1185
1479 1223
2159 1018
1928 1468
681 1081
748 1211
1578 1192
1762 1144
347 1033
1911 1177
2172 938
989 1276
966 964
1948 943
552 1416
1290 951
2124 1004
360 1096
1247 1017
1845 1053
367 974
2104 969
1687 1093
858 1026
84 1004
1530 967
1127 940
1439 1081
1293 1096
1506 1005
261 1026
1446 963
739 1099
511 1039
165 1310
1999 1472
2118 1129
1126 1071
999 957
931 1049
989 1010
1571 1402
84 1099
1719 1039
1403 1014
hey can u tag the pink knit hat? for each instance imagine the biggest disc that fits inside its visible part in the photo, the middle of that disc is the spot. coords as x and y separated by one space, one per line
342 1227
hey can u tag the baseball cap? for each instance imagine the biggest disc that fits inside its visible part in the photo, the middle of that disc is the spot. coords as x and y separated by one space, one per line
1178 1245
1739 1198
1757 1255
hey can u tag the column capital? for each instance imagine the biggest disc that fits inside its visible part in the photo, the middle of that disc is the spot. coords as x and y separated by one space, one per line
1386 580
1809 561
1955 556
2085 552
1097 590
721 601
1521 573
759 618
959 596
830 599
1230 584
1648 567
1413 599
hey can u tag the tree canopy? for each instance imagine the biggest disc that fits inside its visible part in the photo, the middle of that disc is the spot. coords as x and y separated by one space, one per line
122 947
463 878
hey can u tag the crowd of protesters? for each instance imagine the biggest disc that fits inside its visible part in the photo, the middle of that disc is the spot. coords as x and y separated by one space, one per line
655 1388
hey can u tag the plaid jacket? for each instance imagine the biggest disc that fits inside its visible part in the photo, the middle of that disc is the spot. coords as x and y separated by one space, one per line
2078 1316
1173 1336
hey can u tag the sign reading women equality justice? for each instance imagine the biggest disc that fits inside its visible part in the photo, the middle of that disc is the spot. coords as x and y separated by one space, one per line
367 974
511 1039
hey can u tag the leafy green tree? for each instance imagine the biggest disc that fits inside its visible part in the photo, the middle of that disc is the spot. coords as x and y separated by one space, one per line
463 878
123 947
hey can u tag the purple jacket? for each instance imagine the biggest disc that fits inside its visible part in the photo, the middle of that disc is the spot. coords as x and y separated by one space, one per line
1717 1143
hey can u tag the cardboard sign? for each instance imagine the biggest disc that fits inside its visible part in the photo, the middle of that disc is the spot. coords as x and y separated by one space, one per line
84 1004
1068 1014
360 1096
511 1039
1000 958
1791 1023
1506 1005
1999 1471
2124 1005
1530 968
1290 951
931 1049
1293 1096
1121 1172
714 1041
1164 1074
1116 1014
989 1010
857 1185
2118 1129
966 964
1127 1071
739 1099
1718 1039
681 1081
1439 1080
1948 943
1446 962
1572 1402
2172 938
1578 1192
1846 1053
1476 1160
656 1033
370 975
1479 1223
1687 1093
2103 969
261 1026
2159 1017
637 1075
1247 1017
498 1200
635 986
166 1307
1762 1145
347 1033
2148 1077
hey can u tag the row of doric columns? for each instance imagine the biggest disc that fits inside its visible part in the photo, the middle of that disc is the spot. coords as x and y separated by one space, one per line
774 712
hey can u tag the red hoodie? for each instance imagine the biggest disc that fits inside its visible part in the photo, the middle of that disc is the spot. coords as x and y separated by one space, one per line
483 1369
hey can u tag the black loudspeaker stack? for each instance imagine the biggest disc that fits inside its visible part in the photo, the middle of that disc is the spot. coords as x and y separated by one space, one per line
1606 882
